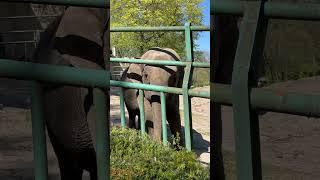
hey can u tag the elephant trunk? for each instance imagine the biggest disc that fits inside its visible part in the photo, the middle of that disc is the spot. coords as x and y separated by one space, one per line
156 117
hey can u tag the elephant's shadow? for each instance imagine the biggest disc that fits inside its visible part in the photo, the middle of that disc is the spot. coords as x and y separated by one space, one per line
199 144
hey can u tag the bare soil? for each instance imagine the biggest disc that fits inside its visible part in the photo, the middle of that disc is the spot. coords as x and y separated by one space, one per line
290 145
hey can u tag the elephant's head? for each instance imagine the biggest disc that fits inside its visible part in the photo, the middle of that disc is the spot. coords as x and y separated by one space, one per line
162 76
80 36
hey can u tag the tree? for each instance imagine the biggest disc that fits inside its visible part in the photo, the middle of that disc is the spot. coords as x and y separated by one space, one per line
152 13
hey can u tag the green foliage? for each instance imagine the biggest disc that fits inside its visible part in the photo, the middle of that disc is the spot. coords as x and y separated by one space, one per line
152 13
292 50
201 77
136 156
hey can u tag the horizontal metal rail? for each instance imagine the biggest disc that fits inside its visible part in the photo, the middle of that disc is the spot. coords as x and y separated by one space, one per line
165 89
21 31
276 10
83 3
17 42
160 62
28 17
54 74
272 100
153 29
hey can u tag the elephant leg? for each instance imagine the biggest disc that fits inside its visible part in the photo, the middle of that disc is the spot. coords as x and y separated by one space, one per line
67 164
174 120
72 164
131 122
88 162
137 122
69 131
157 127
67 171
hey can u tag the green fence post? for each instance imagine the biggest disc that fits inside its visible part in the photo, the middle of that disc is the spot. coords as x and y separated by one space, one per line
102 134
246 122
122 111
141 107
164 118
185 88
38 133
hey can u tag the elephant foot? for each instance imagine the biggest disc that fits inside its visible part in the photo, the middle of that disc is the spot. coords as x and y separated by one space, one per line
71 173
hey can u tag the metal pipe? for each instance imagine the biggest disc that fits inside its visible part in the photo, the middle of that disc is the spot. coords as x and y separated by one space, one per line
28 17
141 107
102 134
164 118
54 74
38 134
21 31
83 3
276 10
161 28
16 42
77 76
122 111
185 88
165 89
272 100
159 62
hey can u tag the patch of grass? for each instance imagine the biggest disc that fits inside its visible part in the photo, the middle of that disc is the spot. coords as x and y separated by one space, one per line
201 77
137 156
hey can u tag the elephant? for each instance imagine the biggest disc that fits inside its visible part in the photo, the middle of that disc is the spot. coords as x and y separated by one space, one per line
132 74
156 75
77 39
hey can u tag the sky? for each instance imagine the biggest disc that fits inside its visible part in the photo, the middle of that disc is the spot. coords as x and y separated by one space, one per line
204 39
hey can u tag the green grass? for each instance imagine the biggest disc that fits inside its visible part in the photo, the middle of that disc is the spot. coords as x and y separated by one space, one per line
136 156
201 77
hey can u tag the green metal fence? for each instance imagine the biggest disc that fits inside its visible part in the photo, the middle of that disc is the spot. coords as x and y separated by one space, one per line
244 99
63 75
187 93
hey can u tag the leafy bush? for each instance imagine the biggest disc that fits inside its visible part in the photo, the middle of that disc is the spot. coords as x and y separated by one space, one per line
201 77
136 156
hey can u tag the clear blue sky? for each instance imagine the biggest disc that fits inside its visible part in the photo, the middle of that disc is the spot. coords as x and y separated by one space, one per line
204 39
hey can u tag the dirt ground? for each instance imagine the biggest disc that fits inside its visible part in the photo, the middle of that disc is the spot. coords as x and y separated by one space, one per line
289 144
16 156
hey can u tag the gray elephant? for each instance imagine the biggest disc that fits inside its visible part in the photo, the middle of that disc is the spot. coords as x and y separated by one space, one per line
157 75
76 39
132 74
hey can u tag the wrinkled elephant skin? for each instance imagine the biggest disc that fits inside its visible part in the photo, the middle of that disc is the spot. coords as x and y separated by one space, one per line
157 75
76 39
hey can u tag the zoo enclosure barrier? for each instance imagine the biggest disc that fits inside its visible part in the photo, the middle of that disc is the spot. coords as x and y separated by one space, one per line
187 93
63 75
34 34
244 99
